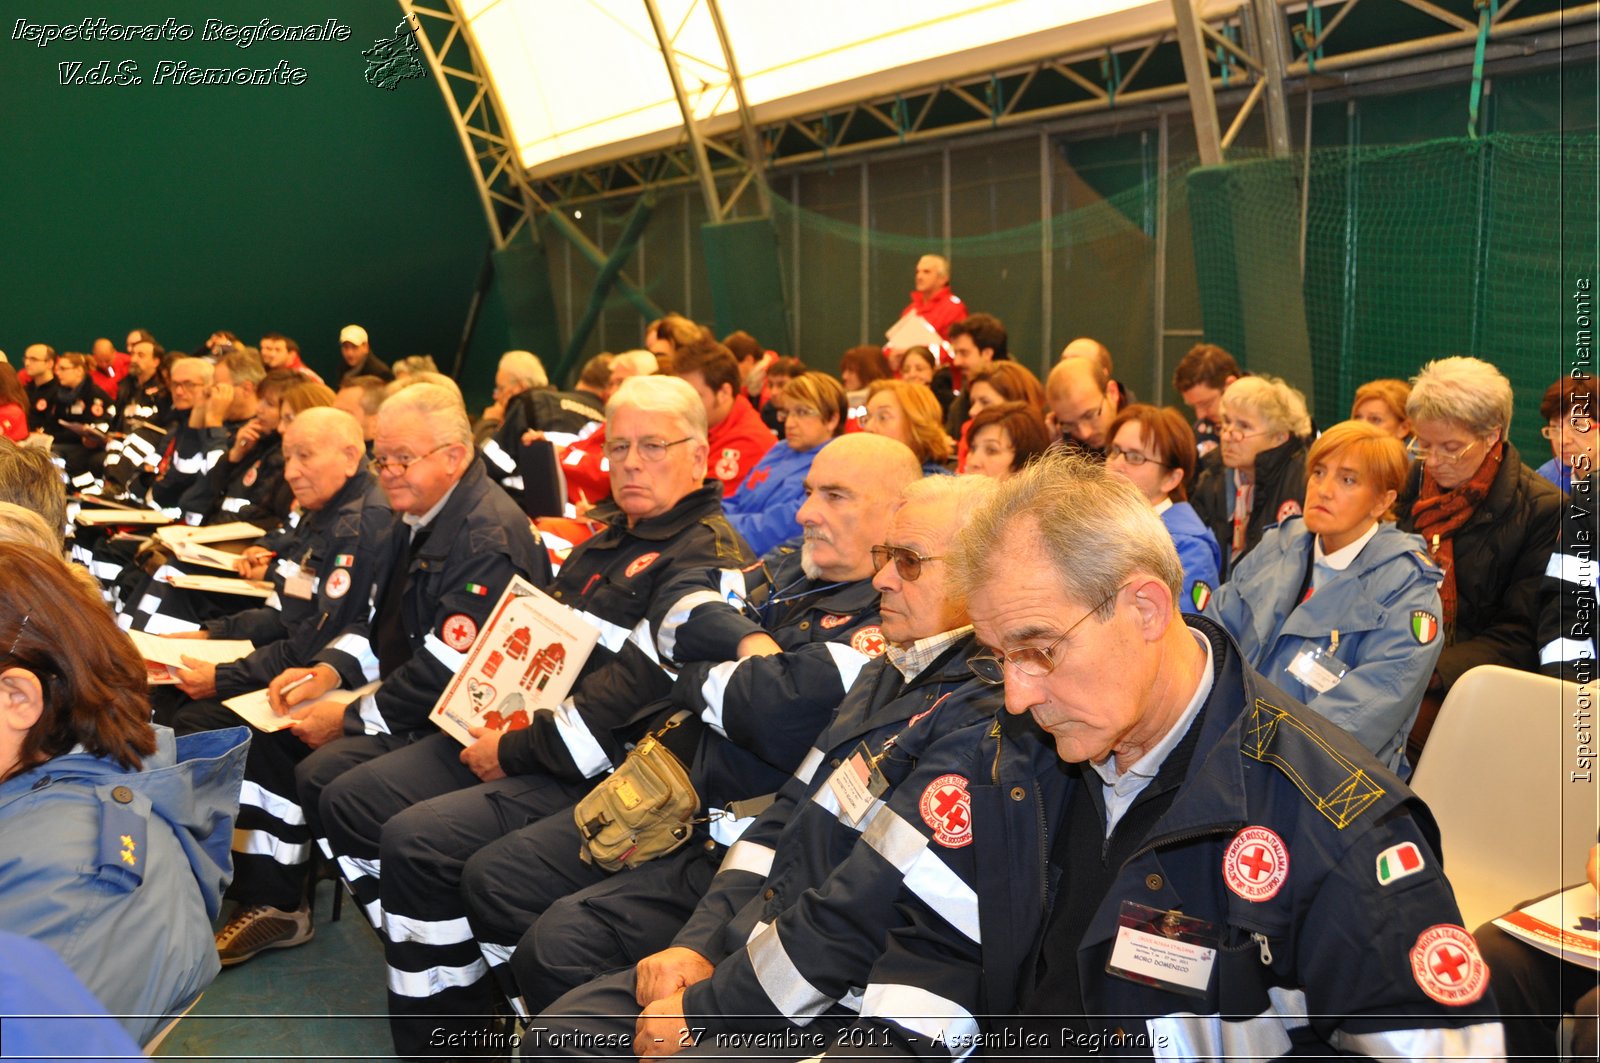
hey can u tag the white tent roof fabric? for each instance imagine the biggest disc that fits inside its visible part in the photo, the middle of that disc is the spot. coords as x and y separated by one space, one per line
583 82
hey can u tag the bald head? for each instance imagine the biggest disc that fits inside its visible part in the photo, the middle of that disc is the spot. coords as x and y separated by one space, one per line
1092 349
851 490
1076 390
327 426
322 450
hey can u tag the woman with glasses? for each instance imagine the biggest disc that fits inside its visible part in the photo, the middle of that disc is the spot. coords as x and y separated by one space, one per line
1488 520
763 510
1155 449
909 412
1339 607
1568 411
1004 437
1263 433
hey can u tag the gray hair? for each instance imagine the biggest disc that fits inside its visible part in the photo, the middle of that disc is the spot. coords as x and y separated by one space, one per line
413 364
244 365
944 264
440 406
30 479
328 425
660 394
207 369
1283 407
1469 391
637 362
525 368
961 496
423 376
19 525
1096 529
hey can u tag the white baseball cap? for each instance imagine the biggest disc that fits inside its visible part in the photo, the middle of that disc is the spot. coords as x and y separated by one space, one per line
353 334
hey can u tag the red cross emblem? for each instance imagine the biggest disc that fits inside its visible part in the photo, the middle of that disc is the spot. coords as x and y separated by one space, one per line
947 810
1446 964
460 632
1256 864
869 640
639 564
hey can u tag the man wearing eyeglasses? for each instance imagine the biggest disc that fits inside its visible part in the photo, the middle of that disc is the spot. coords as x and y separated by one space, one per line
1193 865
1084 400
799 910
404 867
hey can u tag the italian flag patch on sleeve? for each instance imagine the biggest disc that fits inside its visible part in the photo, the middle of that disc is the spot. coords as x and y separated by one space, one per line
1398 861
477 588
344 560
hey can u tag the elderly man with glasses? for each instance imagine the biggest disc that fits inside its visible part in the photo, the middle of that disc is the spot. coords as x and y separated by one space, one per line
1191 864
778 946
455 543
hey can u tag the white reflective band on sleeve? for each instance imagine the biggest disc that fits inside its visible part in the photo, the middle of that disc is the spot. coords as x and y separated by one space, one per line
403 928
713 691
280 808
562 439
361 650
1185 1035
848 661
725 830
188 466
513 483
495 454
757 930
166 625
423 984
581 743
929 877
1571 569
372 721
824 798
454 660
808 766
260 843
353 868
614 636
210 460
1557 650
668 637
274 602
791 992
496 955
1484 1040
575 457
928 1014
193 517
148 603
234 505
83 479
748 856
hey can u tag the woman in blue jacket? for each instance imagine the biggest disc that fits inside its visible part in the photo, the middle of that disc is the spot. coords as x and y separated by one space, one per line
763 509
1339 607
1155 449
113 836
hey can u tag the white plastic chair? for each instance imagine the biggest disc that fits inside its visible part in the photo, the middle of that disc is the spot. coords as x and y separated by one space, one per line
1505 778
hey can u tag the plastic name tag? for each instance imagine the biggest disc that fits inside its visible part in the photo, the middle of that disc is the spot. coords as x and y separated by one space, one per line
1318 669
1164 949
857 783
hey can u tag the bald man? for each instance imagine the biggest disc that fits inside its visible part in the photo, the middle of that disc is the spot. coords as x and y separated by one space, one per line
1100 354
1083 401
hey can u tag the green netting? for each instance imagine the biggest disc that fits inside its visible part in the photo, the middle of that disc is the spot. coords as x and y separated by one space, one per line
1411 253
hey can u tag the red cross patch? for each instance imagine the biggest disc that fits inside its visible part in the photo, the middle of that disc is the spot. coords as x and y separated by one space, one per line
727 466
1446 964
41 405
832 621
459 632
869 640
251 474
1256 864
338 583
1289 509
947 810
639 564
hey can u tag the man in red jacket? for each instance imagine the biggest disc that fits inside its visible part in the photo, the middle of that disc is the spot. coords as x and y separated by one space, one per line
738 437
932 297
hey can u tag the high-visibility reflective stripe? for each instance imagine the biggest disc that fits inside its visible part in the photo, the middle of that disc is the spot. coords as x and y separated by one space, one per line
725 829
581 743
714 691
83 479
927 876
361 650
614 636
1557 650
403 928
808 766
495 954
260 843
1186 1035
1484 1040
423 984
748 856
188 466
667 638
848 661
790 991
354 867
824 798
495 454
372 721
148 603
454 660
1571 569
234 505
278 807
935 1018
513 483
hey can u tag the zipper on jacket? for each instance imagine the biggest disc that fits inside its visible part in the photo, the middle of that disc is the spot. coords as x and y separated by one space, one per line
1182 836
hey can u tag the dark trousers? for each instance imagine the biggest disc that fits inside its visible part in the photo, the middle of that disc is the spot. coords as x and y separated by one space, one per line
1534 989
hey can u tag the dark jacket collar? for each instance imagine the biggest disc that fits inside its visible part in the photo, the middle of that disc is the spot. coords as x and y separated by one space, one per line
704 501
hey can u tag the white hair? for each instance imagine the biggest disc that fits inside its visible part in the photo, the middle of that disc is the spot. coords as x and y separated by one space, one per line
438 405
1469 391
1283 407
660 394
525 368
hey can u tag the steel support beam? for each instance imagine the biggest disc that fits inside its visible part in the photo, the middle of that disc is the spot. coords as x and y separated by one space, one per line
1197 75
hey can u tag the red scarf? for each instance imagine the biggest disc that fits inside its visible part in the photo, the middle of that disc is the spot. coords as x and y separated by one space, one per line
1437 514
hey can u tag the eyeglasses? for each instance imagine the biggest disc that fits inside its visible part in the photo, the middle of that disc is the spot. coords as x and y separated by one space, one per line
187 385
907 562
1572 425
1442 455
1037 661
1236 430
1089 419
786 412
382 465
1132 457
649 449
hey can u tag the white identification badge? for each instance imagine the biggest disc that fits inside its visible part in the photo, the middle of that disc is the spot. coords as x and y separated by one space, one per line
1163 949
296 583
857 783
1318 669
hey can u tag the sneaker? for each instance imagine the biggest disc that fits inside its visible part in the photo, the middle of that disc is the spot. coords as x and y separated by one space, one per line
261 926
